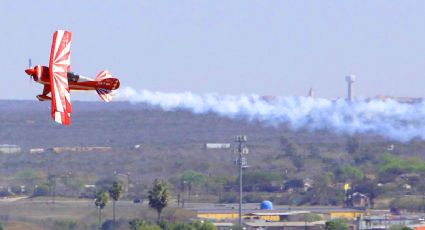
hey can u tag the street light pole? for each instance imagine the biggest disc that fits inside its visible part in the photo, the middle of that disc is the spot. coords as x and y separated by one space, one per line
241 162
240 186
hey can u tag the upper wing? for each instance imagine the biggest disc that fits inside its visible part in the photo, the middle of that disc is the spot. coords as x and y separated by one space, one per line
59 65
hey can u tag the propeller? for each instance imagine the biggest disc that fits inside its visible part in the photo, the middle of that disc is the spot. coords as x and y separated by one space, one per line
30 70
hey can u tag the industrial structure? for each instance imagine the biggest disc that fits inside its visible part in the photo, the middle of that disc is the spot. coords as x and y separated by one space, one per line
311 92
350 81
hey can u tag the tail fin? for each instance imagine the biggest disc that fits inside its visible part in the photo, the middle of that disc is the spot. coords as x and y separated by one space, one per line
106 83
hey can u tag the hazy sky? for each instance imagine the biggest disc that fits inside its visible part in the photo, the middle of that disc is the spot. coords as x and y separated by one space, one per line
230 47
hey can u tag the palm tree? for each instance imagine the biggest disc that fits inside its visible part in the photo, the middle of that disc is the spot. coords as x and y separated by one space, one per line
100 202
158 197
115 193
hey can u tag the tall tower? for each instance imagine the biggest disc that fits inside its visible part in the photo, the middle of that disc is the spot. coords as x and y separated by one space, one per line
350 80
311 92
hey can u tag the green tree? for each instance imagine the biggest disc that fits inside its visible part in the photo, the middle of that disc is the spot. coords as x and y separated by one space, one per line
398 227
65 225
41 190
158 196
288 147
192 179
208 226
292 150
259 181
30 178
350 174
136 224
371 189
352 145
336 224
311 217
74 185
100 202
115 193
412 204
322 192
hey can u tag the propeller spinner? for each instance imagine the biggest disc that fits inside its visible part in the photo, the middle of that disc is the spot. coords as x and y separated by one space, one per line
32 72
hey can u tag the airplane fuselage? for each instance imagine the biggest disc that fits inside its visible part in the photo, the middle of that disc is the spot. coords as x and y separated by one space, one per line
75 81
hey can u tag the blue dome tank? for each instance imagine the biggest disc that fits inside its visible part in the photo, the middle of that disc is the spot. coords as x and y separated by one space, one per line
266 205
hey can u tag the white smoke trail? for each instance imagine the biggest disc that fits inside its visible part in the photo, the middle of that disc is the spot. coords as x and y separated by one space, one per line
389 118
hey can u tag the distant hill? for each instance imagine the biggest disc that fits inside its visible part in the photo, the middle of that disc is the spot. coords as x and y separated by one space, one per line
123 124
172 142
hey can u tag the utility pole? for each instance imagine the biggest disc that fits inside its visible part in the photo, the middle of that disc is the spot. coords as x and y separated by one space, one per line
241 150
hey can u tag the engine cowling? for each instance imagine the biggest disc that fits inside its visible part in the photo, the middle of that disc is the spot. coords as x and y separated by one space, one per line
39 73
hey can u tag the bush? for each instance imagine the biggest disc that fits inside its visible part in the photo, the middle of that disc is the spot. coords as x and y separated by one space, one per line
398 165
312 217
138 224
294 183
260 181
196 225
337 224
4 193
228 198
398 227
41 190
65 225
108 225
208 226
252 198
408 203
350 173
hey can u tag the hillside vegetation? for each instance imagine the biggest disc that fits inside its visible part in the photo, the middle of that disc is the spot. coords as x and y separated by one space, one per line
286 166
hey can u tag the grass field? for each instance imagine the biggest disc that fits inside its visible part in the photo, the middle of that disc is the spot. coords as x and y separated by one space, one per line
31 213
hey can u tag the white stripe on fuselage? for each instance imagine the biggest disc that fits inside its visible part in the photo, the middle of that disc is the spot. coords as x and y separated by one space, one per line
79 87
84 79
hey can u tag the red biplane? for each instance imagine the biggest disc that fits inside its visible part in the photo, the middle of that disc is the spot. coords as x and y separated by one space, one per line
58 80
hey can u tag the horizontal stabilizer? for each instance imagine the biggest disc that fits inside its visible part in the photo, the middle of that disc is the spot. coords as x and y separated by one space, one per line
105 84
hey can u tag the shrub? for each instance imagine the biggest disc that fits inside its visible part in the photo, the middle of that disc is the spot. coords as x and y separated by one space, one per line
408 203
336 224
41 190
229 198
65 225
252 198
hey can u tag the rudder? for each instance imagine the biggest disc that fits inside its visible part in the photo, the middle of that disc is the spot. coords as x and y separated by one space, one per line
106 83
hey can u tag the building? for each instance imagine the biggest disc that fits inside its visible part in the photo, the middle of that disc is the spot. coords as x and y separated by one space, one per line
36 150
287 225
360 200
9 149
217 145
80 149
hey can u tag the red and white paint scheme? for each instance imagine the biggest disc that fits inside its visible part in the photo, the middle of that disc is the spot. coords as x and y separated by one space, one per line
59 81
